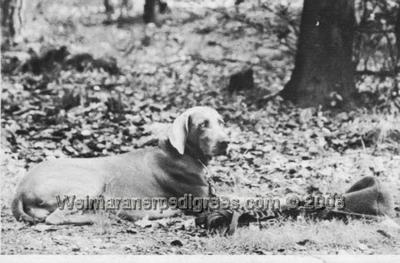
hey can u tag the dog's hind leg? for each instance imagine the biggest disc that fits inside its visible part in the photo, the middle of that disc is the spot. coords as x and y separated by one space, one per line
70 217
39 213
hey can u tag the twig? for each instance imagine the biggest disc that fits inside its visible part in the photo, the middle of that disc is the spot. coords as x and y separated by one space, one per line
109 85
382 73
269 96
364 29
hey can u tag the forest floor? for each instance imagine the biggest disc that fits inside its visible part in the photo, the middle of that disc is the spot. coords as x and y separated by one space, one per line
276 149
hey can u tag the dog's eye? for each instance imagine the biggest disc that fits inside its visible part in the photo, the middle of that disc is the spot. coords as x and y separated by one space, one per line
203 125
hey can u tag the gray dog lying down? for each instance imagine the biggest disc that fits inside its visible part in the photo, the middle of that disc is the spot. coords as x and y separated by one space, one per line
175 168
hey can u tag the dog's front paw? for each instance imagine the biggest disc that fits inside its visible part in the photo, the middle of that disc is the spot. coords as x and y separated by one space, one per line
222 221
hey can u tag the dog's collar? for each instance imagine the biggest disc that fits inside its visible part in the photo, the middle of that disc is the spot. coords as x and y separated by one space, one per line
210 181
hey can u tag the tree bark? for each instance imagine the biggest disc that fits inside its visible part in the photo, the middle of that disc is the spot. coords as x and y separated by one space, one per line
324 70
11 20
397 33
149 13
7 20
108 7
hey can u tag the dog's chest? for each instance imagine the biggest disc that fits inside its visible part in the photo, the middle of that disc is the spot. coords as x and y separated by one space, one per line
180 176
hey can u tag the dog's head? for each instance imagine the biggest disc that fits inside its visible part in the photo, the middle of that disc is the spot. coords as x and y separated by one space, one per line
201 128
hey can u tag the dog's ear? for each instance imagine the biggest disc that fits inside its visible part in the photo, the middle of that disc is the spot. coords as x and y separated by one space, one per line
178 132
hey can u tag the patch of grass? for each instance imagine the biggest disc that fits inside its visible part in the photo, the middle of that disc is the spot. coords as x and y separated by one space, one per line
294 237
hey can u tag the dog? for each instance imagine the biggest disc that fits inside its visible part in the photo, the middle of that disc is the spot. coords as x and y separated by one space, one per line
175 168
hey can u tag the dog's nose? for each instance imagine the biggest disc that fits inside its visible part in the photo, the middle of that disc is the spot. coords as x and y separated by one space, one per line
223 145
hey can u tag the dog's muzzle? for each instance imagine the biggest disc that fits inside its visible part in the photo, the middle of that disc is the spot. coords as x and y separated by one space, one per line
222 147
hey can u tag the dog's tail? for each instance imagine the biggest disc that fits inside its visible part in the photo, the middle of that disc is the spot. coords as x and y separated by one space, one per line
17 208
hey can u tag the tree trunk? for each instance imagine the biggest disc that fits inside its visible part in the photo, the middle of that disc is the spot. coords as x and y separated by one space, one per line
7 20
323 73
149 14
107 6
397 33
11 20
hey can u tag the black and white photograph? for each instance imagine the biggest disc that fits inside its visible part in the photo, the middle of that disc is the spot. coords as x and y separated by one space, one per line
240 129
